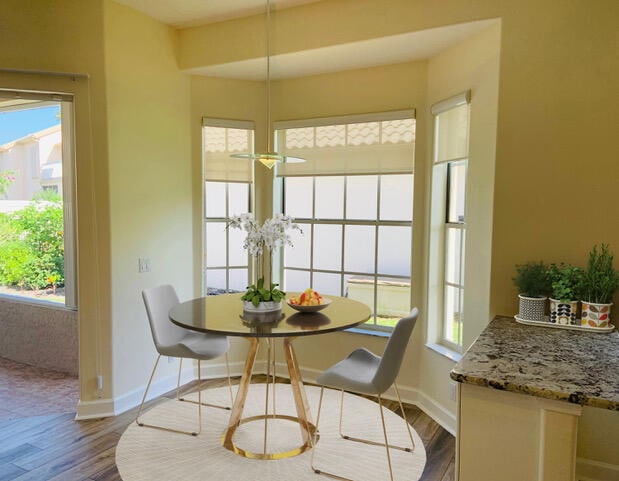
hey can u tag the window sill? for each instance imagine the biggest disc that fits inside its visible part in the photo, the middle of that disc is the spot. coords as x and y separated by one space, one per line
445 351
35 302
369 332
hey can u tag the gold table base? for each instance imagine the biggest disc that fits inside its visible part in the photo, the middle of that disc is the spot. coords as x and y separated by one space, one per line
303 418
281 455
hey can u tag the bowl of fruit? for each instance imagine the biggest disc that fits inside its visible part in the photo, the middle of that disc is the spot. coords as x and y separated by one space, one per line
308 301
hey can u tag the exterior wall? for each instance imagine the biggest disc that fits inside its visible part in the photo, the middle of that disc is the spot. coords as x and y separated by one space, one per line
39 334
37 161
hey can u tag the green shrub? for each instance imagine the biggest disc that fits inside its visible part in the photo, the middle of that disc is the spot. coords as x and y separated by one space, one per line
14 257
32 246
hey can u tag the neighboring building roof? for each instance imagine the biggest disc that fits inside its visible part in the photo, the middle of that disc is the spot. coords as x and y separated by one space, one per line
30 137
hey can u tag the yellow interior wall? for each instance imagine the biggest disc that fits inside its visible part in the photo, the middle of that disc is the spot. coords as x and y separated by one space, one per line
556 105
557 111
470 65
221 99
556 169
151 196
26 33
380 89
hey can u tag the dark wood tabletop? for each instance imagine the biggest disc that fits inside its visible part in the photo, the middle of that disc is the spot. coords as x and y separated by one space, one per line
224 314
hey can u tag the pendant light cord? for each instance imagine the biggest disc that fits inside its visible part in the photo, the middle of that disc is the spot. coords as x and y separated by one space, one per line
268 79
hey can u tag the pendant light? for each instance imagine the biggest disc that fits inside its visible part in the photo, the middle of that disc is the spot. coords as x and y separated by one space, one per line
268 158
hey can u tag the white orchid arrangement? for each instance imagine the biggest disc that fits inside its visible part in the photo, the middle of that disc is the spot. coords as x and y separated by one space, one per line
273 234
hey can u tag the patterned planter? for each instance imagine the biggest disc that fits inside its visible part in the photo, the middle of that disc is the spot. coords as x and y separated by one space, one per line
595 315
563 312
531 308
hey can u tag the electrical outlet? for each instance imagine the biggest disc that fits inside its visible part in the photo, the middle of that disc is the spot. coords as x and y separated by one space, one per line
143 264
99 386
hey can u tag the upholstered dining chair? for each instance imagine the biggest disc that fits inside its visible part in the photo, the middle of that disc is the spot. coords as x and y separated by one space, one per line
366 373
174 341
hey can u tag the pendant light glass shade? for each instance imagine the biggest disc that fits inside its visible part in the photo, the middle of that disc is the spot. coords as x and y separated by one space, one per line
268 158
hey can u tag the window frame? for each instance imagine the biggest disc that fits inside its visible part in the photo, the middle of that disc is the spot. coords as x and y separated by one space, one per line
66 103
440 227
227 124
279 206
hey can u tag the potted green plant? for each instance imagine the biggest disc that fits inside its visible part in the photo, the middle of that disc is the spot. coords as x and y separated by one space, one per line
566 286
263 240
256 294
600 282
532 283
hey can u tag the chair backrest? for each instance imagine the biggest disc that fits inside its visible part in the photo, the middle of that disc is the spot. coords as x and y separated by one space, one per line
390 363
158 301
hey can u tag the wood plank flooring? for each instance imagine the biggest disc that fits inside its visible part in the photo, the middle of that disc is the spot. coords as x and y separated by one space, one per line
55 447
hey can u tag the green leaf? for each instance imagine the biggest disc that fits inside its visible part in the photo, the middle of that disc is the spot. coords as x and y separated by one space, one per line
256 300
260 283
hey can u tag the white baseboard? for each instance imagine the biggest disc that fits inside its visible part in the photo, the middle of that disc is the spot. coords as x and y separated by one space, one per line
112 407
99 408
443 416
590 470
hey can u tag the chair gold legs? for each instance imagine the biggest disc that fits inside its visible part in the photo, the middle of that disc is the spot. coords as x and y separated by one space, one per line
218 406
361 440
154 426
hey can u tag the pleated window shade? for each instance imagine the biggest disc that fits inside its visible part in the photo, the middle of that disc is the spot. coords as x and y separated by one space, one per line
452 128
220 139
369 144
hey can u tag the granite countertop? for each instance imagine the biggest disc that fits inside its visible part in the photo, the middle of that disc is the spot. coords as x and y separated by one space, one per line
573 366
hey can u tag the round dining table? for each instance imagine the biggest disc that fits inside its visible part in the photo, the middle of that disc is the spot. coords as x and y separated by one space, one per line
224 315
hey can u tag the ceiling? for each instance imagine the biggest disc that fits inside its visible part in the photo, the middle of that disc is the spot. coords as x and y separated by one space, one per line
367 53
189 13
363 54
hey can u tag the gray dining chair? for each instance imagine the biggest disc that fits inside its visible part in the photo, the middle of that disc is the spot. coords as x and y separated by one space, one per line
174 341
366 373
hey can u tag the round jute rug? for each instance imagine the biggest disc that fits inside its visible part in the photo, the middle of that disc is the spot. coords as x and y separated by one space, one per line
145 454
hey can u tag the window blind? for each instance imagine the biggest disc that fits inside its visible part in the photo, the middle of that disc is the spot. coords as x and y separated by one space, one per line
367 144
452 128
220 139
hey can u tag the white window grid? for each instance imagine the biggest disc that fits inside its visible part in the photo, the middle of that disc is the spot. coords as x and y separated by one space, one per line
342 272
226 267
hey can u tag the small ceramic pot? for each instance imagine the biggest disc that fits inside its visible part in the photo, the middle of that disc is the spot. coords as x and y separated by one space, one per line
531 308
595 315
563 312
262 306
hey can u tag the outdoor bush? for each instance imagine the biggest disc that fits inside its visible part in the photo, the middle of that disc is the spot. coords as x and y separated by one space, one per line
32 246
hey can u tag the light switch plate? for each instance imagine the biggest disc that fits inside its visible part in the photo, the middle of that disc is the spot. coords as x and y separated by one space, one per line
143 264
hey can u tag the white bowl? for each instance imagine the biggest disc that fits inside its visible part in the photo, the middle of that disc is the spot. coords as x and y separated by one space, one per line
319 307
